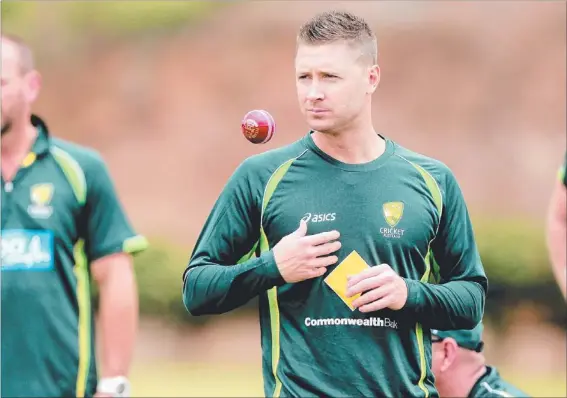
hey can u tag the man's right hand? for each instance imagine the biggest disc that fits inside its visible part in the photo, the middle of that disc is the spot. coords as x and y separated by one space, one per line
300 257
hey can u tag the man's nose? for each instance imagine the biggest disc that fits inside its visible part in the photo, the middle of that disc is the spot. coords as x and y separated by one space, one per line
314 92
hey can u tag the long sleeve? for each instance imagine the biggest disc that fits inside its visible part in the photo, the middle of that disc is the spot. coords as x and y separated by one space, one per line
457 302
223 272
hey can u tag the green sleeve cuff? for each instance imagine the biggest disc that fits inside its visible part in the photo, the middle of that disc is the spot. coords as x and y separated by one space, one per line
132 245
270 270
135 244
412 302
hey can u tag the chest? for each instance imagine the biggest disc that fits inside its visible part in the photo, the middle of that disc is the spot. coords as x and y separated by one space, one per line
39 214
377 214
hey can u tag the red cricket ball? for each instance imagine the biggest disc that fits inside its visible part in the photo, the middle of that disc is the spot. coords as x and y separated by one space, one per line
258 126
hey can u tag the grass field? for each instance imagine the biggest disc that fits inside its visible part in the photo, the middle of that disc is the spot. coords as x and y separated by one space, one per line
195 380
206 380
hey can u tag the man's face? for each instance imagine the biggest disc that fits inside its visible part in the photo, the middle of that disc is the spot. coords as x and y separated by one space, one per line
19 89
333 84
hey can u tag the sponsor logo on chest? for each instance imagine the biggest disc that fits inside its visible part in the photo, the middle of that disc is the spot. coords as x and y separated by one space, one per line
318 218
375 322
27 250
392 212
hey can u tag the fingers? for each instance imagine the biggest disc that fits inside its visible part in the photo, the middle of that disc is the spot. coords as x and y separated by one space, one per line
327 248
372 295
317 272
378 305
372 282
302 229
367 273
320 238
324 261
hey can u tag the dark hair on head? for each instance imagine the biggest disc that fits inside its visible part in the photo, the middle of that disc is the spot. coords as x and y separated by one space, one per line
333 26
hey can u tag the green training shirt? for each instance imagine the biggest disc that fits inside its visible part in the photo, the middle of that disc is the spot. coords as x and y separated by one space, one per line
59 214
403 209
491 385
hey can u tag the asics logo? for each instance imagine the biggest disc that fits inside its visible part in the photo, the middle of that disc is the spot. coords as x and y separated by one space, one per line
309 217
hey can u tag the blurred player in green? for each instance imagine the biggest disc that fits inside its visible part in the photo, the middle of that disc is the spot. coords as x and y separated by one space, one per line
343 235
62 224
460 367
557 229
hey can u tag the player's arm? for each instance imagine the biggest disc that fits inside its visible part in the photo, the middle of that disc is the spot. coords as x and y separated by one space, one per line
557 231
223 272
110 243
458 301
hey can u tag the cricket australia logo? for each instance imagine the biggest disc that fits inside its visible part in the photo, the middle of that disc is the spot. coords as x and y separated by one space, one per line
393 212
40 196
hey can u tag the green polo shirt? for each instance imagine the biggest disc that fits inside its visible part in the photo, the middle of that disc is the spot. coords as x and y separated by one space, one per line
59 214
491 385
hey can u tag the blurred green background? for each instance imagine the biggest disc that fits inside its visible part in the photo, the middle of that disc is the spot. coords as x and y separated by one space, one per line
477 85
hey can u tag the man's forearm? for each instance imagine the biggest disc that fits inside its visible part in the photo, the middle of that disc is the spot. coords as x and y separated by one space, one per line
216 289
118 319
452 305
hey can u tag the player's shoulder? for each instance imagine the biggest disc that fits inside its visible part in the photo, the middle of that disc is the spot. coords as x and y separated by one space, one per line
439 170
266 163
429 163
491 384
74 155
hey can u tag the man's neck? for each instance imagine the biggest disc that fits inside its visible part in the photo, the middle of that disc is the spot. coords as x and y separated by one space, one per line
18 140
355 145
15 145
461 384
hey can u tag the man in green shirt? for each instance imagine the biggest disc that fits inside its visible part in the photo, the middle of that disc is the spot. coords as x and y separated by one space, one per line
340 212
556 230
62 224
460 367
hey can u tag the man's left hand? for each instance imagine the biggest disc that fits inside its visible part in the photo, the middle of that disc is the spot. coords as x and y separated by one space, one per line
380 287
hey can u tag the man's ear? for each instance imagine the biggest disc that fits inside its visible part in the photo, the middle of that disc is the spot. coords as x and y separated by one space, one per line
450 349
373 79
33 86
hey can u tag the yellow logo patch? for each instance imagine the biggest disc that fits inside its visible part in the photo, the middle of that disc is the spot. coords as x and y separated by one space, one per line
40 197
337 280
393 212
41 194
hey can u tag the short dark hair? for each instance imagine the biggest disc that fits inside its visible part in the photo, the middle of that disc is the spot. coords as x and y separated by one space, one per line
25 53
332 26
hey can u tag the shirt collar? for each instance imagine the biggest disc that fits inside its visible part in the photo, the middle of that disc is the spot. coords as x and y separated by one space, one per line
42 142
